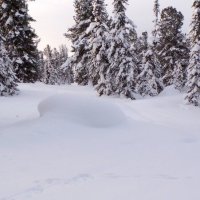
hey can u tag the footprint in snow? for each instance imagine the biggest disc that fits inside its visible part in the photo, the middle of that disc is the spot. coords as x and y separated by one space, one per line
40 186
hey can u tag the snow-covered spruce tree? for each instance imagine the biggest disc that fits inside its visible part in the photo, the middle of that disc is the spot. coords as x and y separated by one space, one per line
171 46
79 38
58 59
20 38
193 82
41 66
123 68
149 80
66 75
8 85
148 83
155 41
99 44
50 72
63 51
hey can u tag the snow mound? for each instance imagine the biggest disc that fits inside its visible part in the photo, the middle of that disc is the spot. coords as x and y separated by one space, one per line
83 110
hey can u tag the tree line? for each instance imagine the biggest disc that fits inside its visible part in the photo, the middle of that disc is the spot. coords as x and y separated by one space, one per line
107 51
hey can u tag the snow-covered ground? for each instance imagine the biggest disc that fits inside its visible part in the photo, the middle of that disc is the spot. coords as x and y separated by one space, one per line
64 142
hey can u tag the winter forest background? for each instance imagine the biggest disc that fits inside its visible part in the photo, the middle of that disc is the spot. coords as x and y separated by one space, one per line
112 116
107 52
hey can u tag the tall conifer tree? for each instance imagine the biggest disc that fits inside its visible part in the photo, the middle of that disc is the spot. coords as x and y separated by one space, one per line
171 44
50 72
20 38
80 41
148 81
99 46
123 68
155 42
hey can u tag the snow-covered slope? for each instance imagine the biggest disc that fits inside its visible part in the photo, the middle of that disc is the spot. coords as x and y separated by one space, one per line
66 143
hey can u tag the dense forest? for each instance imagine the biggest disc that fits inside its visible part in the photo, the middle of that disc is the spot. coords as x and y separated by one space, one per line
107 51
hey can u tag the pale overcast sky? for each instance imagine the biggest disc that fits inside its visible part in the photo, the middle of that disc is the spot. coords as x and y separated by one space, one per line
55 17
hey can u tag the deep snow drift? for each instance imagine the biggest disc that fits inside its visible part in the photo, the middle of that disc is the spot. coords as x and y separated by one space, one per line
67 143
82 110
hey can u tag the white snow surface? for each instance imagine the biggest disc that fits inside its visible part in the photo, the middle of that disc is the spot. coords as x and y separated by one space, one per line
64 142
84 110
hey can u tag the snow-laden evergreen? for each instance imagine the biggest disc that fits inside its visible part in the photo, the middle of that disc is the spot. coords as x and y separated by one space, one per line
63 51
50 72
79 38
41 66
62 56
56 58
57 63
60 59
8 85
149 82
155 41
99 44
124 67
20 38
171 46
193 82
